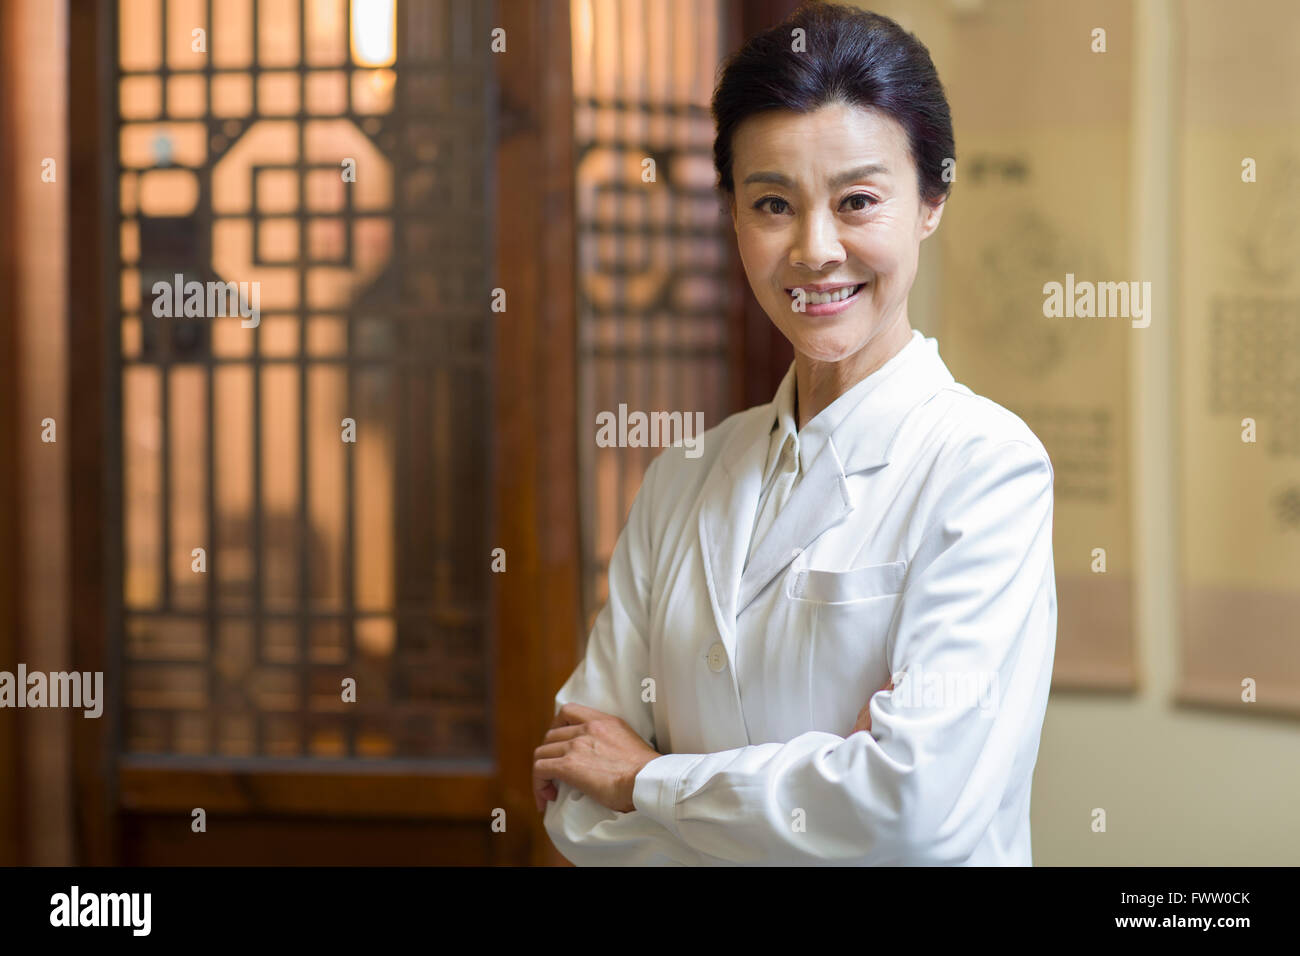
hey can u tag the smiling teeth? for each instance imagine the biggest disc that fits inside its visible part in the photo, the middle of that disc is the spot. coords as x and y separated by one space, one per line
821 298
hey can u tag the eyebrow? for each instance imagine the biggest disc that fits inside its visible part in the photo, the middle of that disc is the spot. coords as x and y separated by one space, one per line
837 181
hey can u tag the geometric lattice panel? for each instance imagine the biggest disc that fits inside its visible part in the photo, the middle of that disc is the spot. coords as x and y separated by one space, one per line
303 391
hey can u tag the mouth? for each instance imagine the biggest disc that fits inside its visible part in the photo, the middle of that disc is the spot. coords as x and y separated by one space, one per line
824 298
828 303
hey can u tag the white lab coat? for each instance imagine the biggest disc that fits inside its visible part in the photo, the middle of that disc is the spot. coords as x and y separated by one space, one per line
918 543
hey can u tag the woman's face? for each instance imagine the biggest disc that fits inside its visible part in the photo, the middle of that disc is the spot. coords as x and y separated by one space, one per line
829 199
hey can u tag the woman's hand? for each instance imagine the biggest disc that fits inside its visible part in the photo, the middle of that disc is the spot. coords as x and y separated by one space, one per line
595 752
864 715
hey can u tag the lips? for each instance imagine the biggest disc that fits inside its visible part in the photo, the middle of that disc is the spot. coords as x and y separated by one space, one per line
824 287
828 294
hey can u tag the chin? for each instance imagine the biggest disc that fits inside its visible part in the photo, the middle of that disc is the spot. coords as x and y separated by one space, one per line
828 347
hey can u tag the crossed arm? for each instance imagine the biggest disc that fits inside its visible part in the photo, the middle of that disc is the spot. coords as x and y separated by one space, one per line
600 755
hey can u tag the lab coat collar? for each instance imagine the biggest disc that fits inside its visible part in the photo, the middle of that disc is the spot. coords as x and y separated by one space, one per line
812 438
864 439
784 427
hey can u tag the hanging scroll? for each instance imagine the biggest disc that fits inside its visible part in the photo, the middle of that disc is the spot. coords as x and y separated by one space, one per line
1239 358
1042 196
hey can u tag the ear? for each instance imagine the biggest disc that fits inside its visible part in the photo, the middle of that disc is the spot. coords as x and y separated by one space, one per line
930 217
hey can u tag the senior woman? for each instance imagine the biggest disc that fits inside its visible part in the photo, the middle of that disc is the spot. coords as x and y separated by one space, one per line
829 638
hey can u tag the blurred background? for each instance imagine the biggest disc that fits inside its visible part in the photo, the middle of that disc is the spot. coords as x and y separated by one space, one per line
379 168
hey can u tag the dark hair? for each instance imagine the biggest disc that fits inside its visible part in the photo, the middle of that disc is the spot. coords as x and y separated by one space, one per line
852 56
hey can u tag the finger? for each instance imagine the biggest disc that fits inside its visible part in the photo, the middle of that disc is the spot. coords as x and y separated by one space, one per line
545 795
564 733
555 749
544 783
551 769
540 783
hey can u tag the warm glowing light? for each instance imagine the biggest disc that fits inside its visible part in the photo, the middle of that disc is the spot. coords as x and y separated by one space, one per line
381 81
374 32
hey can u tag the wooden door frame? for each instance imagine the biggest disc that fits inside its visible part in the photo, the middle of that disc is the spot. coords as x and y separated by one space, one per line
534 616
12 849
89 420
536 439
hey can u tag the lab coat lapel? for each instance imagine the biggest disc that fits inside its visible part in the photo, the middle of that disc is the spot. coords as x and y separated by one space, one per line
729 502
820 500
864 440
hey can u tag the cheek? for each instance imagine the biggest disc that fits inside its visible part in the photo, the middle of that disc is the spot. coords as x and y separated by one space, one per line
759 255
884 248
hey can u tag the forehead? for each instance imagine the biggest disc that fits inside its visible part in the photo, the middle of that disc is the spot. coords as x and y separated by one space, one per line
810 147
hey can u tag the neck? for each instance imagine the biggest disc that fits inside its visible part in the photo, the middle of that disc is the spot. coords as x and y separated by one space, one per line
818 384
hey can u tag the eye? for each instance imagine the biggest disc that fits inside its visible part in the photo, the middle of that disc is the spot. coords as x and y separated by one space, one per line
773 199
868 201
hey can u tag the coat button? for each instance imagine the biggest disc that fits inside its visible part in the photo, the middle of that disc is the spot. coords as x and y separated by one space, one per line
717 657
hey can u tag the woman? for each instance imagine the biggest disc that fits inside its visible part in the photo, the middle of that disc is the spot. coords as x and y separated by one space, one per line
877 528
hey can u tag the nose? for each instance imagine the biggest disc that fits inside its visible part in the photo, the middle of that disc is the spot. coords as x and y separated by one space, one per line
817 246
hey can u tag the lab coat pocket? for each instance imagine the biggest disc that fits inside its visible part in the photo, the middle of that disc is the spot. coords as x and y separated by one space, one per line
844 587
852 614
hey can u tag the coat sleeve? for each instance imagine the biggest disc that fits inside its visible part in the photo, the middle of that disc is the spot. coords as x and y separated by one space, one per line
978 610
608 678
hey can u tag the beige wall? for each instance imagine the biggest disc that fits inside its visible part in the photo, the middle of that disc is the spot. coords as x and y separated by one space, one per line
1180 785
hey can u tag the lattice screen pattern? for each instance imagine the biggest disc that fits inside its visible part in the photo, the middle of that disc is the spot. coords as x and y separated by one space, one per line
325 559
653 256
